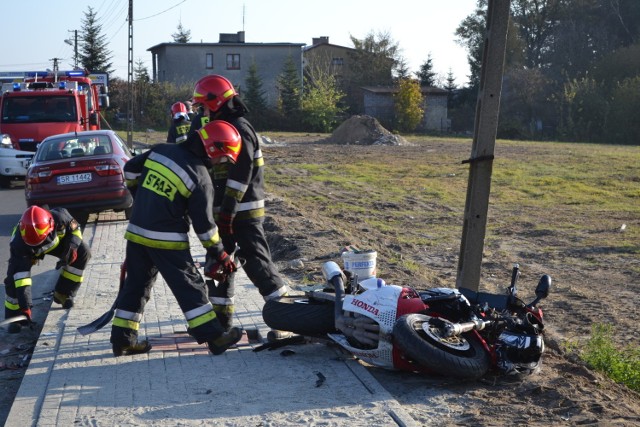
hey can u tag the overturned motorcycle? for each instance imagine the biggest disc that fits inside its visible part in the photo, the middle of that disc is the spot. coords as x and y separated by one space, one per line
452 332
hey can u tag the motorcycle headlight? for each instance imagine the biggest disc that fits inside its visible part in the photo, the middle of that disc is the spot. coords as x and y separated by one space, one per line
521 348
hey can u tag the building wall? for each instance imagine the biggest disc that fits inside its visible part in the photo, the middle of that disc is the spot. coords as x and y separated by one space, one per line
336 58
436 117
381 106
186 63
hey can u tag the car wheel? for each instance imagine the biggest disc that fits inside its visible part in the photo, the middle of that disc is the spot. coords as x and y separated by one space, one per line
5 181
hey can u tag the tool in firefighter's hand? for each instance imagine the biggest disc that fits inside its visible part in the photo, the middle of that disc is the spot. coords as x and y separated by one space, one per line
219 271
102 321
19 318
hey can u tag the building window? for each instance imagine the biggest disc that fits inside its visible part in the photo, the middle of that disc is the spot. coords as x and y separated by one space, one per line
337 61
209 60
233 61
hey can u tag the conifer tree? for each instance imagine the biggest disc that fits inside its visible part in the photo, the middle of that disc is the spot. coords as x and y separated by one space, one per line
181 35
426 75
253 96
289 85
94 55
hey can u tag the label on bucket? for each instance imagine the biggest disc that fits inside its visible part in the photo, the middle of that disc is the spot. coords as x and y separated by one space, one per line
363 263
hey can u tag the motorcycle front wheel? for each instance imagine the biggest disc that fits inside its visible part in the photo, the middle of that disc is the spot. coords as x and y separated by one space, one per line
420 338
300 315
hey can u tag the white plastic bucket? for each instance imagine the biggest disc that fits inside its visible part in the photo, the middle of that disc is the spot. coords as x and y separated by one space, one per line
362 263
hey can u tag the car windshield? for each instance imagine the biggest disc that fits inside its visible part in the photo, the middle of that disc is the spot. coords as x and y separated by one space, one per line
123 145
39 109
73 146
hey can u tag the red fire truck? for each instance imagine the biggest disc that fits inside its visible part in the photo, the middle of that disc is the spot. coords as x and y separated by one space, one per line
37 104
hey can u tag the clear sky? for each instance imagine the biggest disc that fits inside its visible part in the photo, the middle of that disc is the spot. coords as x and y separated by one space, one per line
36 33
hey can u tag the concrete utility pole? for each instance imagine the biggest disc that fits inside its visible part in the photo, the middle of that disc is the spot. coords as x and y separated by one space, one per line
130 79
484 139
55 68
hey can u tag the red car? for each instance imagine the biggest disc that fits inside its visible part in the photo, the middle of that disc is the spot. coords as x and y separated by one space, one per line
82 172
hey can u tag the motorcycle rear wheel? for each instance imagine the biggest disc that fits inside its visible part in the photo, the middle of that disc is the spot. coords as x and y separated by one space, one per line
462 356
300 315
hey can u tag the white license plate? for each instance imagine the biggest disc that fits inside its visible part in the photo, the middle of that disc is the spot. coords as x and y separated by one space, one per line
74 179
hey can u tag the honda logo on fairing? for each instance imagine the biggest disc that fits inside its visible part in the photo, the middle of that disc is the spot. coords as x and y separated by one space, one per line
366 307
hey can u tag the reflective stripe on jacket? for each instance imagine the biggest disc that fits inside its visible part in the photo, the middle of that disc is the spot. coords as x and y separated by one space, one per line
173 191
240 187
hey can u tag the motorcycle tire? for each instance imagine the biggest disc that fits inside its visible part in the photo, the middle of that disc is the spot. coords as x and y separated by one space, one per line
300 315
462 356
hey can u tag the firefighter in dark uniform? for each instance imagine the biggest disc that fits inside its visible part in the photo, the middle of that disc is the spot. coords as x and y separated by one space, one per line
238 199
42 232
190 111
173 191
200 119
180 123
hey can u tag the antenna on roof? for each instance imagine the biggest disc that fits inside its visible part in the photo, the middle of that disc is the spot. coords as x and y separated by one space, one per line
243 16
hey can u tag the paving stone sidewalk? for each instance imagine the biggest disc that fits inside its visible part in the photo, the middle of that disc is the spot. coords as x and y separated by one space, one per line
75 380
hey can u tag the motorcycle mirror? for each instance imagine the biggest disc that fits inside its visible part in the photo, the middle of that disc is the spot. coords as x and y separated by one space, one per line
515 273
542 290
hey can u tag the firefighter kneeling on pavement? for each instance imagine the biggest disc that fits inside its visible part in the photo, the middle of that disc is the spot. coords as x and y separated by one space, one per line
41 232
172 191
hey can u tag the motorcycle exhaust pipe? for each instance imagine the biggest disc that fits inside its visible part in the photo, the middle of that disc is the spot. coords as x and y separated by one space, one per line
453 329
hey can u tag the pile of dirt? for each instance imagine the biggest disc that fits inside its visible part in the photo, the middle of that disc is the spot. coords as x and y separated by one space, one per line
364 130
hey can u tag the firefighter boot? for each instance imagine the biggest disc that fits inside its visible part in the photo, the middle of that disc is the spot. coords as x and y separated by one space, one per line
224 313
65 300
223 342
138 347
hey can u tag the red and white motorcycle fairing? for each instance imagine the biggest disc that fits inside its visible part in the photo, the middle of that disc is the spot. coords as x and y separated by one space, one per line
383 304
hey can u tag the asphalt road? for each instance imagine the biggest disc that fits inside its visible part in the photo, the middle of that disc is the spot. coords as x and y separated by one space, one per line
12 205
11 208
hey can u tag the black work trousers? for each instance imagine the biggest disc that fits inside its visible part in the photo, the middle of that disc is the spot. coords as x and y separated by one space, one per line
71 275
256 257
184 280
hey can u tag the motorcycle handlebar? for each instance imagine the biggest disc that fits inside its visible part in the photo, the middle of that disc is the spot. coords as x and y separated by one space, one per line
334 276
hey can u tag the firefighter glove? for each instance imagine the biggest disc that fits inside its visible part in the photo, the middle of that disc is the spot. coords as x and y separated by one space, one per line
226 262
225 222
220 267
26 312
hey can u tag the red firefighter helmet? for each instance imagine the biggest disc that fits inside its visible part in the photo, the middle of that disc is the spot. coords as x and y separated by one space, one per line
179 110
221 140
178 107
35 225
213 91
